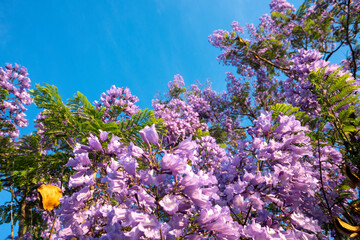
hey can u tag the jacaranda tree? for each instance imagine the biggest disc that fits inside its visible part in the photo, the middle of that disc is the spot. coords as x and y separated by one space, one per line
275 156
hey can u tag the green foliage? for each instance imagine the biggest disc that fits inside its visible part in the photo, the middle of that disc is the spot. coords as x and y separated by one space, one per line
279 16
217 132
316 32
80 106
75 120
47 97
26 164
303 8
4 125
58 120
131 127
3 94
79 101
25 168
79 117
288 109
4 216
337 95
200 133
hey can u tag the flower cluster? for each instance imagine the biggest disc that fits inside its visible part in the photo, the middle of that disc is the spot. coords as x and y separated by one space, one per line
298 87
281 5
276 179
197 189
176 84
181 119
114 198
210 156
14 96
117 101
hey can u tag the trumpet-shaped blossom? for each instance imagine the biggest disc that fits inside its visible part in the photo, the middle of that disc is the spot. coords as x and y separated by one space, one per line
149 134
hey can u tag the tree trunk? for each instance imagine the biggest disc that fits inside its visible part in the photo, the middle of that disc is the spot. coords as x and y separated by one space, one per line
12 217
22 219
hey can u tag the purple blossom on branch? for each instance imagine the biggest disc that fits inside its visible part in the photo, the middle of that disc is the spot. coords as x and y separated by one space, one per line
117 102
14 96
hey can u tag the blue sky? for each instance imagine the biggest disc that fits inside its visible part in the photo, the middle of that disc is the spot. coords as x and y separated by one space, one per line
88 46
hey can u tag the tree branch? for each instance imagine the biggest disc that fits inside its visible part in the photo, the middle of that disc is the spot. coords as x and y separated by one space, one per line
348 39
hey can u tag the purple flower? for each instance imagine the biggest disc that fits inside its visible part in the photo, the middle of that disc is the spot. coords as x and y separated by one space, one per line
15 84
149 134
148 177
307 223
103 135
181 119
81 178
150 226
177 83
94 143
174 163
83 194
116 181
281 5
130 164
170 203
114 145
116 99
80 163
194 188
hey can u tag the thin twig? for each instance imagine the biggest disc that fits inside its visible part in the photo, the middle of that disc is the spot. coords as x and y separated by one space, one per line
348 38
268 62
235 215
247 215
52 227
12 217
327 58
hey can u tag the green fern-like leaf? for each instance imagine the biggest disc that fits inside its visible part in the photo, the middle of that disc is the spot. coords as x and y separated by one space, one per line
288 109
337 94
79 101
46 97
138 121
303 7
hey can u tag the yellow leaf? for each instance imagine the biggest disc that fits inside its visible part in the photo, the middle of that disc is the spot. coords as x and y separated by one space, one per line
49 196
354 180
345 228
